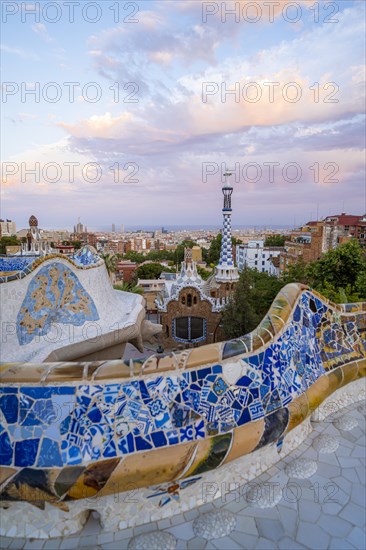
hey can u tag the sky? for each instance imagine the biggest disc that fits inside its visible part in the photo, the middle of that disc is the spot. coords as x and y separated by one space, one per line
121 112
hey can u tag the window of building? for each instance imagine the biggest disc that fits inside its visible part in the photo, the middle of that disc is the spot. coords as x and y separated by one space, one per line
189 300
263 263
189 329
195 300
183 300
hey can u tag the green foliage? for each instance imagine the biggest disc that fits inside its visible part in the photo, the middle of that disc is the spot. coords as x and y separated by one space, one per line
204 273
212 255
160 255
295 273
135 257
110 261
253 296
340 274
275 240
8 241
150 271
76 244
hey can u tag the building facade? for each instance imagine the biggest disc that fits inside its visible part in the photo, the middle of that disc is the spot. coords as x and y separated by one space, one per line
257 256
35 244
190 308
7 228
309 243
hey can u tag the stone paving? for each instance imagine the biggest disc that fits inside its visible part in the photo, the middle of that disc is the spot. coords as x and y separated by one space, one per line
323 511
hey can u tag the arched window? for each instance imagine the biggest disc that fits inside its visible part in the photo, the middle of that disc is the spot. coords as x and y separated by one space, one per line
183 300
189 300
227 286
195 300
189 329
167 330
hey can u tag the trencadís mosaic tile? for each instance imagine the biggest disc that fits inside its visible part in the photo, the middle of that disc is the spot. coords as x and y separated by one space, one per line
55 294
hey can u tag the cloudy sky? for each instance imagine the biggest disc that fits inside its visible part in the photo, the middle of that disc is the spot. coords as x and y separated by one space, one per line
131 119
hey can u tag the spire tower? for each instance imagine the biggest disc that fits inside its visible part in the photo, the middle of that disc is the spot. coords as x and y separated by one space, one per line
225 269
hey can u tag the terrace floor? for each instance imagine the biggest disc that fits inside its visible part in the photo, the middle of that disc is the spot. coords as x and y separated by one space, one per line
325 511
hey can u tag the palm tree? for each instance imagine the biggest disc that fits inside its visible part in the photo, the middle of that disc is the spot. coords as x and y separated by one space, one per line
110 261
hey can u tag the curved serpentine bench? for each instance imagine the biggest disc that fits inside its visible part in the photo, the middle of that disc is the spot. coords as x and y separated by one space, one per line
74 431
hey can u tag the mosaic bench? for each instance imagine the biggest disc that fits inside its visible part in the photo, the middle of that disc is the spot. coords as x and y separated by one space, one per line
76 436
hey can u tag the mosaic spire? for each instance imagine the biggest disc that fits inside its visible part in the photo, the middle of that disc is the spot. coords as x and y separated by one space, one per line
225 270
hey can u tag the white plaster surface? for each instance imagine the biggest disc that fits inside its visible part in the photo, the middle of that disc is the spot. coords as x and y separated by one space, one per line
116 309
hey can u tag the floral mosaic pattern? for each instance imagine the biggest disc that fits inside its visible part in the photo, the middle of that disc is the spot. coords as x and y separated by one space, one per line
78 424
55 295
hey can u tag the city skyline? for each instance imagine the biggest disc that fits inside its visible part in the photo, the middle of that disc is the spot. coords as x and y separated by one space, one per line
173 124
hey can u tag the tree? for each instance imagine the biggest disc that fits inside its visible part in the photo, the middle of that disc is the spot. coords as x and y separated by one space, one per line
340 274
160 255
253 296
264 290
8 241
204 273
212 255
110 261
76 244
239 316
295 273
150 271
135 257
275 240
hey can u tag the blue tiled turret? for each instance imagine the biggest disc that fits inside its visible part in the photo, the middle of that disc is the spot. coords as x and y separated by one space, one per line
225 270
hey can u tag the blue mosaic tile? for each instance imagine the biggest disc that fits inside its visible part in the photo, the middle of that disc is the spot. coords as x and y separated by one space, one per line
54 295
94 421
49 454
85 257
159 439
9 407
6 449
142 444
26 452
244 417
